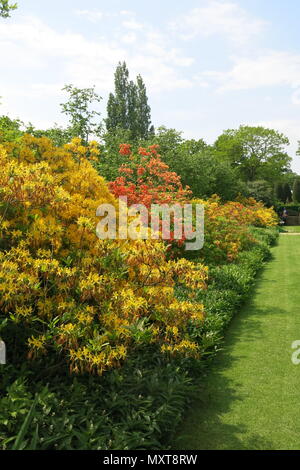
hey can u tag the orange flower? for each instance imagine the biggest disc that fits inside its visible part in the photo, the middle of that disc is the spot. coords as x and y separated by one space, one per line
125 149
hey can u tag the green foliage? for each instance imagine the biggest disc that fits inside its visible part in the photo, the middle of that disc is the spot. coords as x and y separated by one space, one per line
133 408
228 288
136 407
260 190
197 165
296 191
257 152
81 118
144 127
110 160
286 193
6 8
10 129
127 107
58 135
265 236
279 192
292 209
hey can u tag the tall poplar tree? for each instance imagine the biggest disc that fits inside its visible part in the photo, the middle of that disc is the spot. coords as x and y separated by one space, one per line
143 110
127 107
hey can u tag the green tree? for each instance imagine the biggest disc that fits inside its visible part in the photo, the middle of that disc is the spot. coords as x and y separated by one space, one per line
59 135
143 110
197 165
168 141
296 191
127 107
10 129
279 193
287 193
6 8
261 190
81 117
117 106
110 161
258 152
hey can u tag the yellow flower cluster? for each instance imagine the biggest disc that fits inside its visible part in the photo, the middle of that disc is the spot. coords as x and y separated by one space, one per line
89 299
227 226
262 216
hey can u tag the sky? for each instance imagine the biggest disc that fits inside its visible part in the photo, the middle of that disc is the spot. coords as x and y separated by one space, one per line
208 65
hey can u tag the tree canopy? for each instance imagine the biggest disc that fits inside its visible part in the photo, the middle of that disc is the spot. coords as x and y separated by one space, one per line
258 152
128 107
82 123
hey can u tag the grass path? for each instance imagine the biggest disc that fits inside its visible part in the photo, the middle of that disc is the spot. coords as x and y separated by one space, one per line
291 229
250 399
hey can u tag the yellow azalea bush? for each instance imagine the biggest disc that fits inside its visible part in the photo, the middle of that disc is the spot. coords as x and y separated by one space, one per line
91 300
259 214
227 226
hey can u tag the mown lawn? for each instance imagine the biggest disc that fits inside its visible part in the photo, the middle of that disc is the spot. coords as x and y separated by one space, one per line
250 398
292 229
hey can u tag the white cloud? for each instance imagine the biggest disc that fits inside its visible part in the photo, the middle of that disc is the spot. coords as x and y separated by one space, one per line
29 46
126 12
132 24
269 69
68 53
158 74
91 15
296 97
217 17
129 38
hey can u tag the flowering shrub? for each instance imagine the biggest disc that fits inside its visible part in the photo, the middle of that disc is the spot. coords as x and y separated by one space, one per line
92 300
146 179
227 227
261 216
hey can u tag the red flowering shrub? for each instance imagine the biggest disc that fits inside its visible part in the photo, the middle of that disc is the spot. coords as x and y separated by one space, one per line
146 179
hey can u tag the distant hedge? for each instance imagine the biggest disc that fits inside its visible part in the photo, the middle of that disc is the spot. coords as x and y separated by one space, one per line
292 209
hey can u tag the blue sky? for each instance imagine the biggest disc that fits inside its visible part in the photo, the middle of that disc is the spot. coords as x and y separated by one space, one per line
208 65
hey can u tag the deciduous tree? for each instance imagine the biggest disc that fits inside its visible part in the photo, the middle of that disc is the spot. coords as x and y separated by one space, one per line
128 107
82 118
258 152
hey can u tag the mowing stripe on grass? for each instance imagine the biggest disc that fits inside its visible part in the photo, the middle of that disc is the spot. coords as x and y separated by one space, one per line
250 397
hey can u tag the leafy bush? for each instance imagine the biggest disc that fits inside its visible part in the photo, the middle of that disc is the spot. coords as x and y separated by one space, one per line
64 291
136 407
76 304
147 180
227 230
